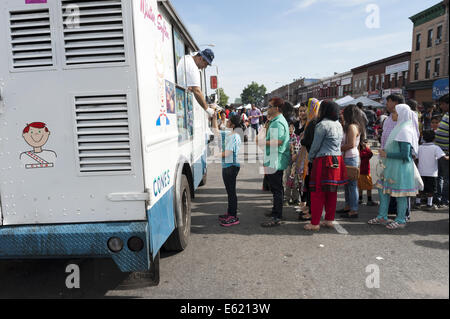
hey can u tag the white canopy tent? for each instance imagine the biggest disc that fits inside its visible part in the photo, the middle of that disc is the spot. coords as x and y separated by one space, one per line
343 100
364 100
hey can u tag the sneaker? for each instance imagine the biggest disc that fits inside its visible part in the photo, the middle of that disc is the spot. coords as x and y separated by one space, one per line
416 207
223 217
230 221
372 203
430 208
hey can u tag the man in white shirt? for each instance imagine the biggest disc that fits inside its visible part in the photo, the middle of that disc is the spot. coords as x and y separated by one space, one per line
193 65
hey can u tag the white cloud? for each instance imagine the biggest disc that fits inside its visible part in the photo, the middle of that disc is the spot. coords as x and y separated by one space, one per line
299 6
305 4
368 43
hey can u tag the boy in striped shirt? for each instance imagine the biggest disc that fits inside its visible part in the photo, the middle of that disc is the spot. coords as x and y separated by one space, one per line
442 140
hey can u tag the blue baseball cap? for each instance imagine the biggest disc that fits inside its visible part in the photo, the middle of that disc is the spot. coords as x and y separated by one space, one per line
207 55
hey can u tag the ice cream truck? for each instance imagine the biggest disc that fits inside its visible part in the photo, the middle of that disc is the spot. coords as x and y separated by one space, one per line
101 144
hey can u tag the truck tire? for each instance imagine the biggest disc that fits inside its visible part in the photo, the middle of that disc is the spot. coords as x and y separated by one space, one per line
178 241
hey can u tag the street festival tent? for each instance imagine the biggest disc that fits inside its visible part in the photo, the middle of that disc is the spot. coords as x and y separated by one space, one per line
364 100
343 100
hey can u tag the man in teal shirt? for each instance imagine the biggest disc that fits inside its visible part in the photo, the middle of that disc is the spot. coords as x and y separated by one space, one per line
276 159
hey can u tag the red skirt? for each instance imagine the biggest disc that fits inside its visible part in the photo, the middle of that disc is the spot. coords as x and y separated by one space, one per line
326 177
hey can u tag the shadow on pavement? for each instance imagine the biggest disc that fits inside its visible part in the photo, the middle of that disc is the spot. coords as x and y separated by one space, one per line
46 279
252 209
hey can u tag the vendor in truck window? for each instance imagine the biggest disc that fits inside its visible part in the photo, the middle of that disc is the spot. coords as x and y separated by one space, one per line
193 80
36 135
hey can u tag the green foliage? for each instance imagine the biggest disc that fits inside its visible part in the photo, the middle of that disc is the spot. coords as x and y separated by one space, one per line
223 98
254 94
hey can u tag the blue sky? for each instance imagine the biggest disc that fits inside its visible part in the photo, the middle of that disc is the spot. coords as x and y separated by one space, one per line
270 41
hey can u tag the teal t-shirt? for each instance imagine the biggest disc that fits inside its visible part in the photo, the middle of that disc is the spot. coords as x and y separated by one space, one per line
278 157
231 142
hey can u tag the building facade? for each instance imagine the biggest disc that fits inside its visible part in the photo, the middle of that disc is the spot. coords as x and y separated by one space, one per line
379 79
429 58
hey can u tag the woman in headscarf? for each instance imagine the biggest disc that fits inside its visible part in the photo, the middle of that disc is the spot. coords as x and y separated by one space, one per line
302 164
398 178
328 169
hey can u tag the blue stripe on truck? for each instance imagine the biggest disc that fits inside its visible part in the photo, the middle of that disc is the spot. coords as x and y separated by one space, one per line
77 241
161 220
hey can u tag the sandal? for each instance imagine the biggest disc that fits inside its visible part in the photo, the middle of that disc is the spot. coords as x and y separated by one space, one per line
395 225
351 216
271 223
312 227
327 225
377 221
303 218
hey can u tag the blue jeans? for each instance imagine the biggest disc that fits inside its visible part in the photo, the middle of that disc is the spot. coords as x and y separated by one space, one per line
442 191
351 189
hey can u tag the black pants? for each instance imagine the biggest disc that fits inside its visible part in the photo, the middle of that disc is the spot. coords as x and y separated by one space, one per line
229 176
276 187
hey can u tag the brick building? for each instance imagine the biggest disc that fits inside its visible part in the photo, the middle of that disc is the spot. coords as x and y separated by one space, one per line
429 58
378 79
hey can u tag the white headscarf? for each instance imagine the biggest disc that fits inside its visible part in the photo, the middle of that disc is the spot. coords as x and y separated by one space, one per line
409 133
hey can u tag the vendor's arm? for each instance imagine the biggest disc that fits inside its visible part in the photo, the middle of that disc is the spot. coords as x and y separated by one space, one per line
199 96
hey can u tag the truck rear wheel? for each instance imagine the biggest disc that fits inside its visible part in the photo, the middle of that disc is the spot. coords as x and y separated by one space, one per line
178 241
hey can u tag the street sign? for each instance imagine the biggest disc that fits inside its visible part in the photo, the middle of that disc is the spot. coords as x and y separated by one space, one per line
214 82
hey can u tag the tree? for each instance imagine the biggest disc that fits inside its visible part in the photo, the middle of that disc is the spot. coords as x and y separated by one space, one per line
223 98
254 94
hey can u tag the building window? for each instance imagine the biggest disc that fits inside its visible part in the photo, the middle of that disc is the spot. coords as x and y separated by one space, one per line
418 39
396 80
430 38
439 34
416 71
428 70
377 82
382 81
404 78
437 66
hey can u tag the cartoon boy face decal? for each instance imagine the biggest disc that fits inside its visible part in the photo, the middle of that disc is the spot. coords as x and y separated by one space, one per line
36 135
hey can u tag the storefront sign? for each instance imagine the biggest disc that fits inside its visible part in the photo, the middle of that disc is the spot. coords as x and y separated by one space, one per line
440 88
397 68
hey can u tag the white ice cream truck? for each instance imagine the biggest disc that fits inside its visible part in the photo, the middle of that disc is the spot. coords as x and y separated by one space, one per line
101 144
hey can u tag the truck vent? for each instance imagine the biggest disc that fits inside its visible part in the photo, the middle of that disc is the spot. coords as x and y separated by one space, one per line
31 38
93 31
103 133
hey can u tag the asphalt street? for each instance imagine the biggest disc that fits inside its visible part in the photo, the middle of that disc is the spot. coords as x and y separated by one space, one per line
248 261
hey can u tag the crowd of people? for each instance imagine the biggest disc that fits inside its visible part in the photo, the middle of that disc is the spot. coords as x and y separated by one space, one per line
311 151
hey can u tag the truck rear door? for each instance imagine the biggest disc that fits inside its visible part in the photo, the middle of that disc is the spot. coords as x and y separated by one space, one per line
69 126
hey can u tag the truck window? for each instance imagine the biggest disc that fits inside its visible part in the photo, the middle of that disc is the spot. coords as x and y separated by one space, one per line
180 53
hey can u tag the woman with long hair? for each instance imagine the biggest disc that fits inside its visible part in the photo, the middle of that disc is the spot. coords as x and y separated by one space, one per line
302 164
354 133
398 179
328 168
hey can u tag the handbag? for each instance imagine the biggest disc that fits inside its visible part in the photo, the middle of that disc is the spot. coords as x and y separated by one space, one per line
352 173
418 179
